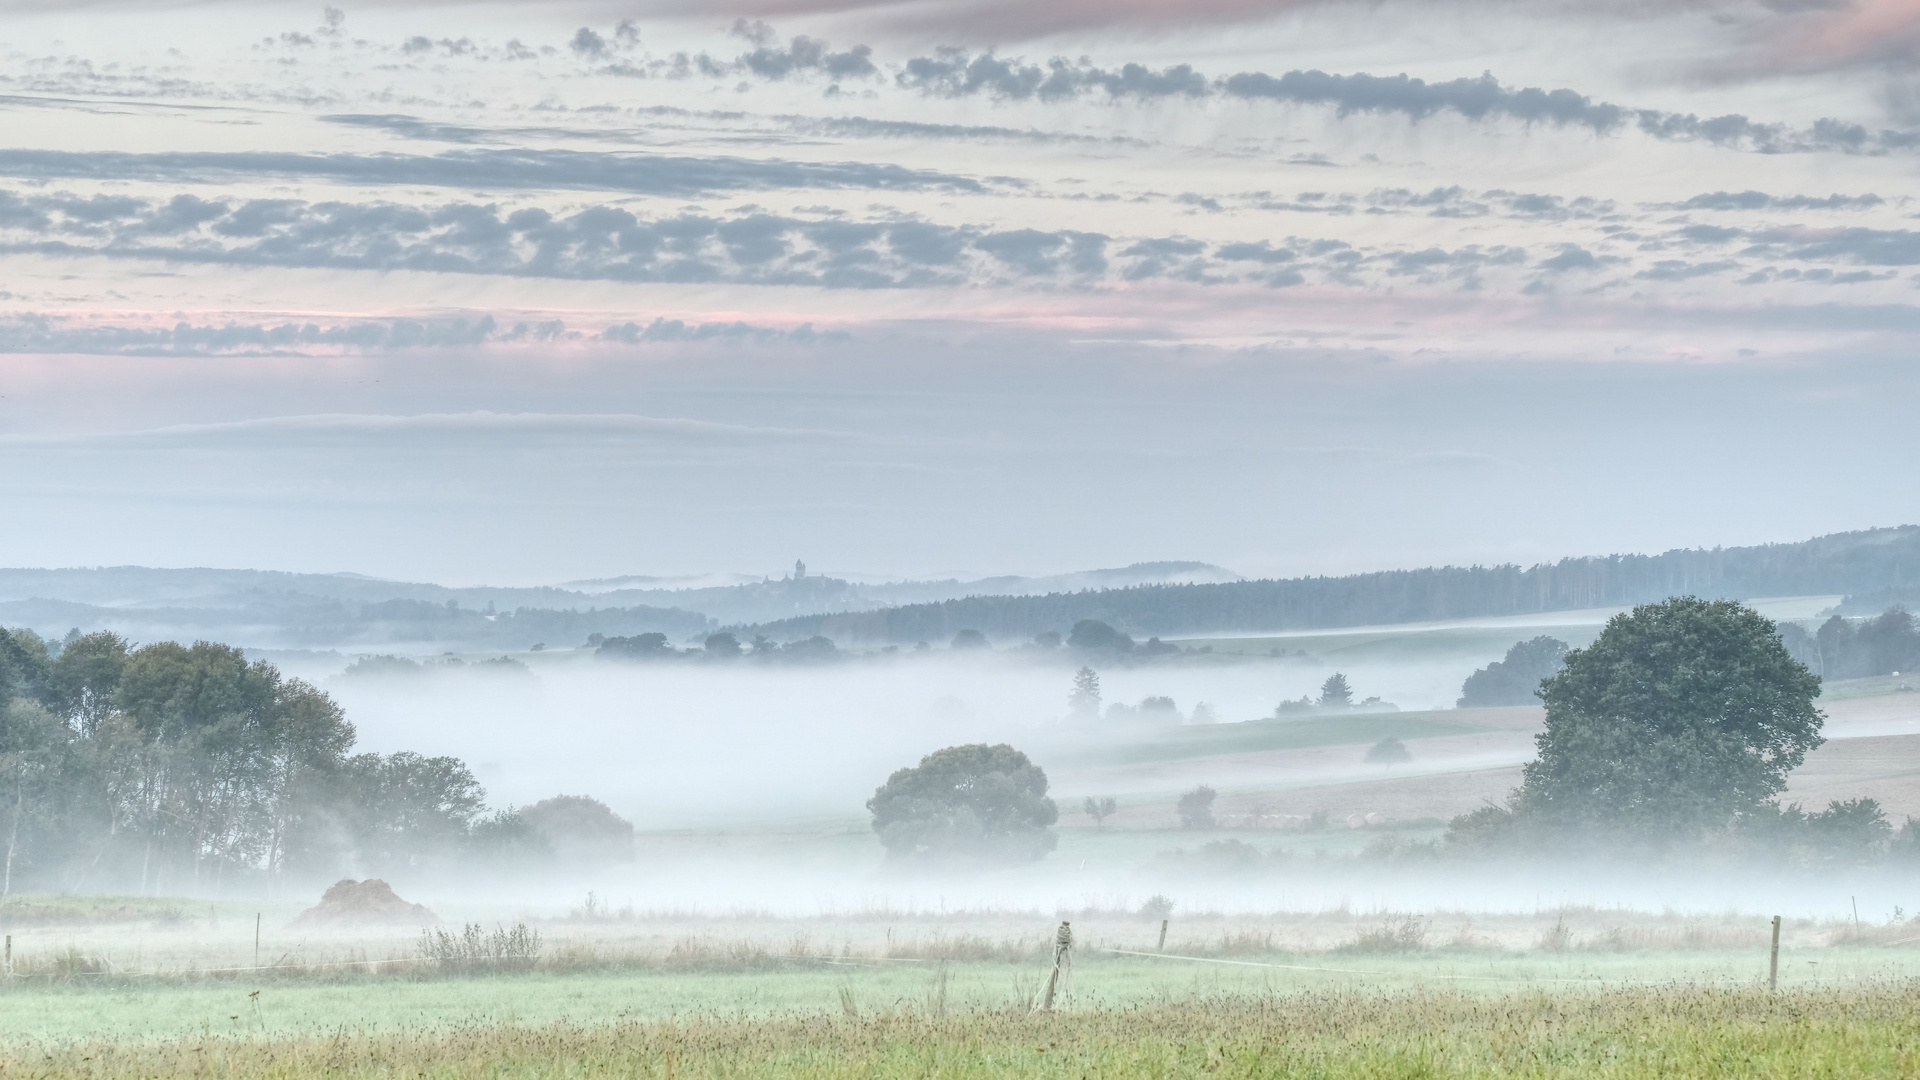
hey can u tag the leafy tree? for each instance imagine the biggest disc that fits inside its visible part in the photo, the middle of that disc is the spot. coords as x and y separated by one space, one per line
384 664
976 803
1681 717
23 665
1092 635
1835 642
507 840
83 679
1085 698
1160 709
1888 643
1099 809
969 639
648 646
582 829
1196 808
1335 693
1882 645
722 646
815 649
1388 751
1514 680
407 810
33 743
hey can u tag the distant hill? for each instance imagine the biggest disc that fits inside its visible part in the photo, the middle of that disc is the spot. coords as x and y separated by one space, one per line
350 612
1874 561
277 610
778 598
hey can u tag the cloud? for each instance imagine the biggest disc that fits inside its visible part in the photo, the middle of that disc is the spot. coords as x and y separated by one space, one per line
1710 234
800 55
1475 99
640 174
48 334
595 242
1571 257
1680 270
953 73
1869 247
858 127
1760 200
756 247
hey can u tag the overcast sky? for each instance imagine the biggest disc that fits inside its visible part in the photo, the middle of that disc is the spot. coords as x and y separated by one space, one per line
521 292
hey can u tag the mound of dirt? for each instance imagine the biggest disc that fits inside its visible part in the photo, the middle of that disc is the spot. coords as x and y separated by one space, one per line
359 903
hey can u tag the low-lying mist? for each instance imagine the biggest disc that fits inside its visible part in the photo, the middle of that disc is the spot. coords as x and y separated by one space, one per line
673 745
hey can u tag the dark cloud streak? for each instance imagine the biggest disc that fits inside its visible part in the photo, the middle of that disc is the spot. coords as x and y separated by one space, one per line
487 169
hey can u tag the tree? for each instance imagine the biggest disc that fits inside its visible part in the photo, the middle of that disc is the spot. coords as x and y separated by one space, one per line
507 840
722 646
647 646
966 804
1085 698
1834 639
969 639
406 810
582 829
1092 635
1889 642
813 650
32 745
1514 680
1680 718
306 739
1159 709
1196 808
23 665
1388 751
1335 693
1099 809
82 680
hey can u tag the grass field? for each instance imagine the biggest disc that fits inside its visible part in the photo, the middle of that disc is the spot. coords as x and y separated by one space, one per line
1866 1030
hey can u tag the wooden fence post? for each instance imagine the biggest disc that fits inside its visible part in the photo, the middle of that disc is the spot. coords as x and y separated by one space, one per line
1773 961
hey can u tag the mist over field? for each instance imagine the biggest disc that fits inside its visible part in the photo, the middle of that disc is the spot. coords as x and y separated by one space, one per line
952 537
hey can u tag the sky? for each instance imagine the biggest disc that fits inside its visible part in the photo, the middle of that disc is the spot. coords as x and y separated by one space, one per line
516 293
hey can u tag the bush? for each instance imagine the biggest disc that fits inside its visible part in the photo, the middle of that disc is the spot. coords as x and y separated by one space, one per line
1196 808
1388 751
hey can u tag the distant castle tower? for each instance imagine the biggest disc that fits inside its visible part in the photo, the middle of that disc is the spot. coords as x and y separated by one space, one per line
799 569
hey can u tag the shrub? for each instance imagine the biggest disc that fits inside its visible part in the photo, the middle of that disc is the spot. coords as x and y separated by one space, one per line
1196 808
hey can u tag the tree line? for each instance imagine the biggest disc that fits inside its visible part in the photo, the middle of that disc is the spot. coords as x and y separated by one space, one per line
189 768
1859 562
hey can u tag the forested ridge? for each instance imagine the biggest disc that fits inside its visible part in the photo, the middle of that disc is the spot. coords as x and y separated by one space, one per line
1876 560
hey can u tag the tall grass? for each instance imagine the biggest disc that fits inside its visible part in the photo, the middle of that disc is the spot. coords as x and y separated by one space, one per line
1863 1031
515 948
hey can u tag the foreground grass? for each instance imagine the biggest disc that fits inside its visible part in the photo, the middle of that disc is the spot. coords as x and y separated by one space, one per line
417 1000
1640 1032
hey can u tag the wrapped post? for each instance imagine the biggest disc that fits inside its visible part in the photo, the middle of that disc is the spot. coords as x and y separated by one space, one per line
1062 963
